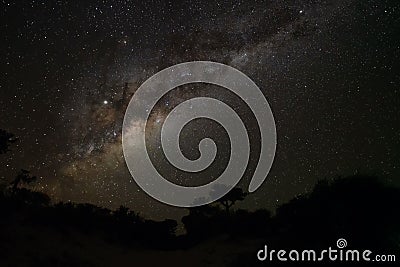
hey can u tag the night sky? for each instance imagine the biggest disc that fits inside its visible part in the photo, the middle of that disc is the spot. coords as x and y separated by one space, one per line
329 69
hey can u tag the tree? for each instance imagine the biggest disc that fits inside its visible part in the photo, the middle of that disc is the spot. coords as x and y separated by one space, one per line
23 177
236 194
6 139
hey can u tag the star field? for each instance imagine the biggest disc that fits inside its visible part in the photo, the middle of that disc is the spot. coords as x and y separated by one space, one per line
329 69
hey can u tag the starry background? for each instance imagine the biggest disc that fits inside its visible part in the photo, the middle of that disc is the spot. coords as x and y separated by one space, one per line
329 69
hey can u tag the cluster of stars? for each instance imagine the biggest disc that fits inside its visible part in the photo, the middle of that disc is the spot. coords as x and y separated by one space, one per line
69 69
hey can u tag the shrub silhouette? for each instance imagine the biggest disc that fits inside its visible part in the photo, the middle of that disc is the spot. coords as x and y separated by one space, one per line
23 177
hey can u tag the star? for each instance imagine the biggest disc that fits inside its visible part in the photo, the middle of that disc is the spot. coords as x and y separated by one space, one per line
319 77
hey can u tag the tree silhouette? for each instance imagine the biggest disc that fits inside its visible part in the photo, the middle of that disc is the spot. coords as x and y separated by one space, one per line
6 139
227 201
23 177
362 208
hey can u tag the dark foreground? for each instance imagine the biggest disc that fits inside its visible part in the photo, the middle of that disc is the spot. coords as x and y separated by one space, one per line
362 210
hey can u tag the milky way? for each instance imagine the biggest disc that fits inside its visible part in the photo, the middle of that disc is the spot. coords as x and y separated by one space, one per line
329 70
